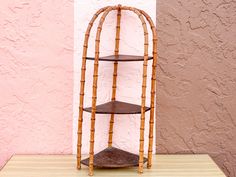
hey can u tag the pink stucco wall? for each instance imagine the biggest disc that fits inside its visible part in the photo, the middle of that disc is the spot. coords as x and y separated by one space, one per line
36 77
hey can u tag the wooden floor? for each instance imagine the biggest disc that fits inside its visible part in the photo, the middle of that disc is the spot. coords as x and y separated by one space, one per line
65 166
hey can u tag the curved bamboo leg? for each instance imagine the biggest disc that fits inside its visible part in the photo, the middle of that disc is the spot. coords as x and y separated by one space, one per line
82 85
94 96
144 85
153 87
115 74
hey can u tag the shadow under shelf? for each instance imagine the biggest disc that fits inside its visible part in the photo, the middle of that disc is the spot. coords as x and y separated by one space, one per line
112 157
117 107
123 58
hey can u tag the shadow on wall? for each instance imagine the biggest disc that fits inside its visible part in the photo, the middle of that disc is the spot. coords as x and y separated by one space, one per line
197 79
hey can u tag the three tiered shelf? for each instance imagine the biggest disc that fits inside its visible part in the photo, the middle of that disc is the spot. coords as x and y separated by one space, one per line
112 157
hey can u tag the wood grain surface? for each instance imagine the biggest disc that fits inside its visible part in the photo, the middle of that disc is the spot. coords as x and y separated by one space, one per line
65 166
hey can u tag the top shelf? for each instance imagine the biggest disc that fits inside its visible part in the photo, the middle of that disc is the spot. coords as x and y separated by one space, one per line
123 58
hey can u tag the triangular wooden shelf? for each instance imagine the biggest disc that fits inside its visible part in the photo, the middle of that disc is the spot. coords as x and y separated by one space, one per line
112 157
117 107
121 58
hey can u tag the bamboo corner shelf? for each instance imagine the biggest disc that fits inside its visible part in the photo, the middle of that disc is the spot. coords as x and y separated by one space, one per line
112 157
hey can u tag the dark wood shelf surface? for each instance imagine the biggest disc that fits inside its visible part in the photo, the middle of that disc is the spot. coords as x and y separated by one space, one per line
112 157
123 58
117 107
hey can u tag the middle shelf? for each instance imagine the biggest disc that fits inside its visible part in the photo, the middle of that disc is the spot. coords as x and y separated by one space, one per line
123 58
117 107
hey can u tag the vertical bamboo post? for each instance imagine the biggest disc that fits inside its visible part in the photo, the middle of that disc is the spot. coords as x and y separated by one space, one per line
143 96
144 85
94 92
82 85
153 91
153 87
117 42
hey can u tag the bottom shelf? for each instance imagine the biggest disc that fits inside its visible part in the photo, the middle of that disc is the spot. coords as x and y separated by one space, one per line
112 157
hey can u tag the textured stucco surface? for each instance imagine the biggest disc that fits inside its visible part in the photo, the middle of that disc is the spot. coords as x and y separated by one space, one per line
126 127
197 79
36 77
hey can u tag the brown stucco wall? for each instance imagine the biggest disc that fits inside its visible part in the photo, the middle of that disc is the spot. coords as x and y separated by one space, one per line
196 91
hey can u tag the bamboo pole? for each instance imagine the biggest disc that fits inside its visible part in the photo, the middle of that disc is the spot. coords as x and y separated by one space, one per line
153 87
144 85
94 92
117 43
82 85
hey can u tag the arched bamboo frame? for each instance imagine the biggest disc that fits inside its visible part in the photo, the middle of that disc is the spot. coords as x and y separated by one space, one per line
141 14
153 86
82 85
